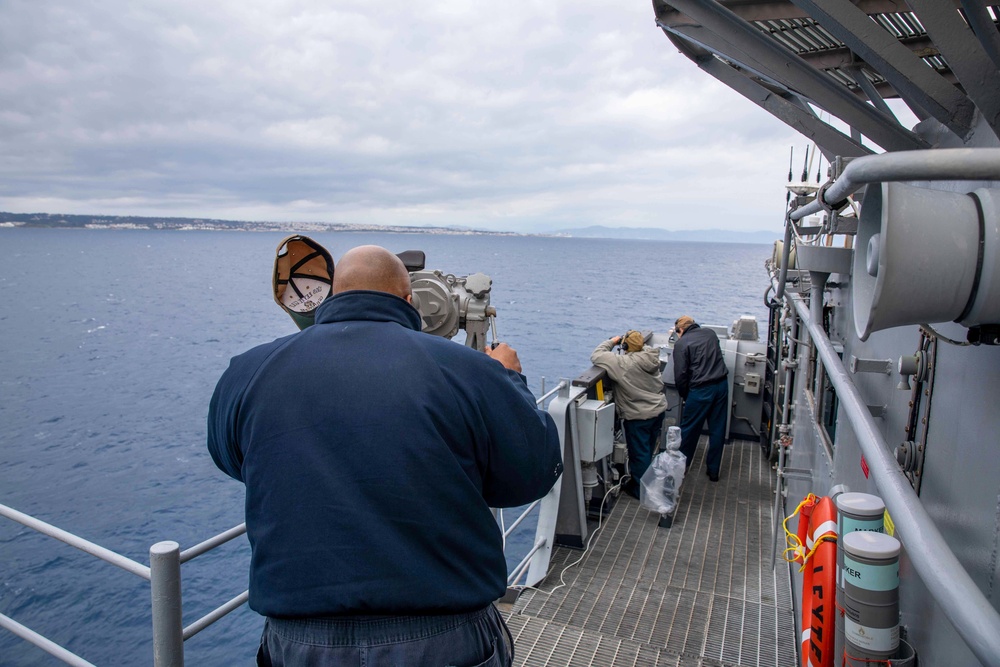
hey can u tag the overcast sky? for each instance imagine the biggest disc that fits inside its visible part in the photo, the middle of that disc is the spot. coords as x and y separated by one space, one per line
524 116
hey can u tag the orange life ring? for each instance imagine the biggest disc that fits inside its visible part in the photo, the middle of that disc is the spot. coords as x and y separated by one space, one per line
819 585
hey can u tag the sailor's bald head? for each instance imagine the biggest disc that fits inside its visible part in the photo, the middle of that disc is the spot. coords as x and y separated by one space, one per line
370 267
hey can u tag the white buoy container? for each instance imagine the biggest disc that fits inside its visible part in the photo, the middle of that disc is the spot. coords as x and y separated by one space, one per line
855 512
871 596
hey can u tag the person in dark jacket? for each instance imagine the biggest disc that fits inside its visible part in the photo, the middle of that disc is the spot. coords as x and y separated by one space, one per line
372 454
702 381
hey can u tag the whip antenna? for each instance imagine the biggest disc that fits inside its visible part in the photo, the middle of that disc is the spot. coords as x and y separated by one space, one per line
791 156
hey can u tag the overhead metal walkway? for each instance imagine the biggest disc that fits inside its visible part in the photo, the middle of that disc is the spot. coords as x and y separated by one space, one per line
701 593
797 58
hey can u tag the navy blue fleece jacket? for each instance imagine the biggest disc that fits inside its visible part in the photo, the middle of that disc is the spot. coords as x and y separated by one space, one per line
371 454
698 359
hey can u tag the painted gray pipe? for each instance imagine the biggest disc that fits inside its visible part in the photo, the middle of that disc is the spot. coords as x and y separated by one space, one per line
779 291
971 614
941 164
817 282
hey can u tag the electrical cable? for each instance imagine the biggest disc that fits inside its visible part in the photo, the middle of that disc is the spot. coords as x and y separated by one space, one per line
590 540
772 303
503 530
931 331
600 522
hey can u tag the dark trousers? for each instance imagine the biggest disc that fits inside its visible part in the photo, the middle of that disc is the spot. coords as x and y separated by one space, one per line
477 639
641 436
705 402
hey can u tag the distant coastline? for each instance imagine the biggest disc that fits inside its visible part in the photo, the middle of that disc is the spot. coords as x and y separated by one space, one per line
65 221
61 221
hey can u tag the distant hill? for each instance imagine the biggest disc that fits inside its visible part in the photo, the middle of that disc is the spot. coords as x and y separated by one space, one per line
699 235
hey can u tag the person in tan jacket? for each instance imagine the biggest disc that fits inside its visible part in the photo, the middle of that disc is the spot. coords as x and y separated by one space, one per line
638 395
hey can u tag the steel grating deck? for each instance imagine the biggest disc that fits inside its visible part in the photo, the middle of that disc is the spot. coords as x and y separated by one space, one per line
701 593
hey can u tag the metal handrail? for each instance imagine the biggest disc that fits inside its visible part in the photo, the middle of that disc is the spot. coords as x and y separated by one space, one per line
213 542
523 565
43 643
970 613
163 573
86 546
215 615
546 396
518 571
522 517
165 560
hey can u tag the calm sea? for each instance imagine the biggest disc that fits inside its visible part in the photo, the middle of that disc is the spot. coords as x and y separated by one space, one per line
112 342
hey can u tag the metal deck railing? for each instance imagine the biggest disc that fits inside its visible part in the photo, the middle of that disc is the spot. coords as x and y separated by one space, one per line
164 576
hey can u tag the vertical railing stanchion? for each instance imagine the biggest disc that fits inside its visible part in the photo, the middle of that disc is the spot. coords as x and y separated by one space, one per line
165 587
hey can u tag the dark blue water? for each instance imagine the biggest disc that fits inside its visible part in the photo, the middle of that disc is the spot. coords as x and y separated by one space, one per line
112 342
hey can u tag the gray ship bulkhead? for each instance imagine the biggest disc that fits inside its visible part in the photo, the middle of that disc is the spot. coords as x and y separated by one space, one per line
886 340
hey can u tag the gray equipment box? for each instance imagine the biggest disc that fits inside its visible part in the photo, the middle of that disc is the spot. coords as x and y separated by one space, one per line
596 421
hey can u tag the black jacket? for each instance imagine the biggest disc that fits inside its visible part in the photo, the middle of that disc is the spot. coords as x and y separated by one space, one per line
372 454
697 359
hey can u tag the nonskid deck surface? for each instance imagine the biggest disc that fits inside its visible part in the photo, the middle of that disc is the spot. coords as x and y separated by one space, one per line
701 593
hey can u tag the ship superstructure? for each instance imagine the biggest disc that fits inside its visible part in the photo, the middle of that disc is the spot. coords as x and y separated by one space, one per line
883 358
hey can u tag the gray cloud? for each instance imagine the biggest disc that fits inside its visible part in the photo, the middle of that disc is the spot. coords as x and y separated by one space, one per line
524 116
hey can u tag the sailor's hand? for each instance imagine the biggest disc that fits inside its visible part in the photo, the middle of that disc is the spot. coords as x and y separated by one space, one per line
506 355
616 340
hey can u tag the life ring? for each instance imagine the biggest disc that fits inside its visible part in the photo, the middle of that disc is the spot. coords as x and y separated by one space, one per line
819 585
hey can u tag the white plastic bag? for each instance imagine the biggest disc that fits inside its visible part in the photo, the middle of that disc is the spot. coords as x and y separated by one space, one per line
660 486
